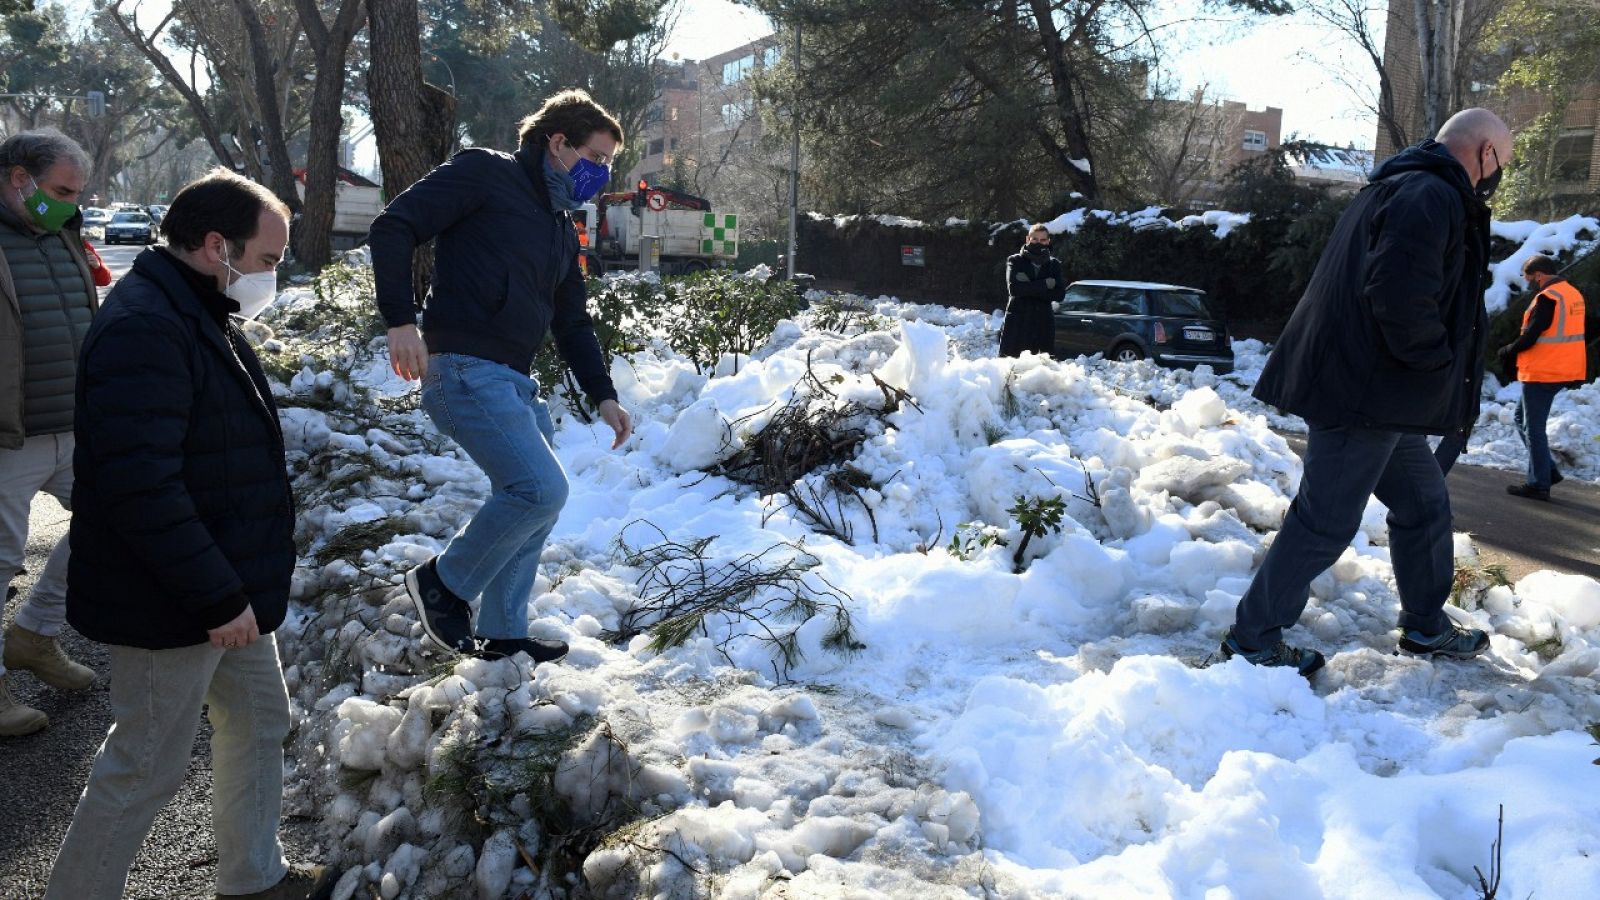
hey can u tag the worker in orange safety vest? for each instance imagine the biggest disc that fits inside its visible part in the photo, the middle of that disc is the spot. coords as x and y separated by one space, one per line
1549 355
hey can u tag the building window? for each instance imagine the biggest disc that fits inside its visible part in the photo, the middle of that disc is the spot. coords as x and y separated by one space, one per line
673 143
656 146
734 114
769 57
673 114
1255 140
735 71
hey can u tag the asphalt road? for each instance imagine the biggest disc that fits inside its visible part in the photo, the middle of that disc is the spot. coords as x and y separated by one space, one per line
1523 535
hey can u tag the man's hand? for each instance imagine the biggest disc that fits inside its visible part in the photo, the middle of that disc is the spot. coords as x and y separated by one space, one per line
1049 282
238 633
612 413
408 355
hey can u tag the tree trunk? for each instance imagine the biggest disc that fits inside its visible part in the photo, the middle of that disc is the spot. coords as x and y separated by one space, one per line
1438 43
413 121
313 236
281 176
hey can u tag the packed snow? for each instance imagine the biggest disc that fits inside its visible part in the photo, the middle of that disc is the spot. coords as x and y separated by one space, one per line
1058 731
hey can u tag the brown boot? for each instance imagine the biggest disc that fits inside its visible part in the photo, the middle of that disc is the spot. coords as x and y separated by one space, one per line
16 717
44 657
302 883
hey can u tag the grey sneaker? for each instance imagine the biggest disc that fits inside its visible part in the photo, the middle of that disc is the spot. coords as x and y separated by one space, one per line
301 883
1306 662
1455 643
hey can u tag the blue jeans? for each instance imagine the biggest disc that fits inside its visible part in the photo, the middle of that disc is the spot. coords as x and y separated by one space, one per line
1344 466
495 414
1533 411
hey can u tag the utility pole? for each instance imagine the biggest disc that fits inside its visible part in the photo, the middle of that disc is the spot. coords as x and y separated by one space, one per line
794 155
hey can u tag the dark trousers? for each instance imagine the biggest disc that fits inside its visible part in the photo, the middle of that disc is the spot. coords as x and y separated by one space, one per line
1030 327
1532 413
1449 450
1344 466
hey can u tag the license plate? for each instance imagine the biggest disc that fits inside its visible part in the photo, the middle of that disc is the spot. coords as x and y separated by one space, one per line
1199 334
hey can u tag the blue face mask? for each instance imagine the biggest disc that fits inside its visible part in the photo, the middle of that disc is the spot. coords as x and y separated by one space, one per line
588 178
572 188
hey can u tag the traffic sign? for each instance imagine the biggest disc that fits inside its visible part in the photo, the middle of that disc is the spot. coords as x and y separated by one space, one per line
656 200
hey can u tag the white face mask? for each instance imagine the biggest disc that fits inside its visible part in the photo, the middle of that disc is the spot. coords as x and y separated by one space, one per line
254 292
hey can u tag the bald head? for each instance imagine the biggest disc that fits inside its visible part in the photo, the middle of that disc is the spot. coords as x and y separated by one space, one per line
1478 140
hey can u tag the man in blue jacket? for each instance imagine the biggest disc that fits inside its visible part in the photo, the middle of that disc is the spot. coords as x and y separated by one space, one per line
183 547
506 272
1384 348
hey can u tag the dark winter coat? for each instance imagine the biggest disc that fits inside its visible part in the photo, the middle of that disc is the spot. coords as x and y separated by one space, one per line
182 513
1030 324
1389 333
47 297
505 266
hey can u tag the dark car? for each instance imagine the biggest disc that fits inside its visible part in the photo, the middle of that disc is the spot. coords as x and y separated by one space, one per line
129 226
1174 326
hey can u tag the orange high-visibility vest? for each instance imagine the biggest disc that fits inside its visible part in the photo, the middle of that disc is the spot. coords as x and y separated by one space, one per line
1559 355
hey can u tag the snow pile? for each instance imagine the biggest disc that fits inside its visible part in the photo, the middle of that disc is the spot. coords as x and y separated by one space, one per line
1044 732
1575 233
1220 221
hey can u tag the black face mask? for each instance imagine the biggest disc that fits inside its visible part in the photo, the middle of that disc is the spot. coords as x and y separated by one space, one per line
1490 183
1037 249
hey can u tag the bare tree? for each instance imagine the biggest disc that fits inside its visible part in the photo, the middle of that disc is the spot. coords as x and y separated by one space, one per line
185 84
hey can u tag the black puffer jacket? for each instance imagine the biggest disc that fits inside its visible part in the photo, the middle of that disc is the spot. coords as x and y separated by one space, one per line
1389 333
182 512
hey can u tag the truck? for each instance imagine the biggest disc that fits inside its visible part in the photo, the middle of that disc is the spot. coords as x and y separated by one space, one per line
692 237
356 202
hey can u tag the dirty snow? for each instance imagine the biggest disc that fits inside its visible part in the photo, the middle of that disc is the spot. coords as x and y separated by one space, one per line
1049 733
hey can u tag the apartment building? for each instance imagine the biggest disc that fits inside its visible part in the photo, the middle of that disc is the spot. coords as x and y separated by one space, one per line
1576 170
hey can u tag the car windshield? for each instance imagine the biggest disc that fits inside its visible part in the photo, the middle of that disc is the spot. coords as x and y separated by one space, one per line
136 218
1183 305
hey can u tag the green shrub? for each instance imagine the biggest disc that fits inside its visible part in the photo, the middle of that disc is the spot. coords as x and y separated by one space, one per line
701 316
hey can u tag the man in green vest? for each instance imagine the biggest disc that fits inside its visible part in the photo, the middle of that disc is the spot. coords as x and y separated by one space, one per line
47 296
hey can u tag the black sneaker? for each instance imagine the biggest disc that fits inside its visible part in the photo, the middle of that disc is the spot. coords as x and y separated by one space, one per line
1306 662
1556 477
1456 643
1531 491
538 649
446 618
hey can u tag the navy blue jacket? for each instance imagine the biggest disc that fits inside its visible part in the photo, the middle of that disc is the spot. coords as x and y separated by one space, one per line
181 508
1390 331
505 266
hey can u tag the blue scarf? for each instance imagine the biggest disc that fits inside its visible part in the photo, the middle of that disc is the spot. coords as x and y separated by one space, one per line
561 186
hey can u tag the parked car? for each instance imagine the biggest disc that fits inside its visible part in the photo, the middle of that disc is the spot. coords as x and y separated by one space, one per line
130 226
95 221
157 212
1172 325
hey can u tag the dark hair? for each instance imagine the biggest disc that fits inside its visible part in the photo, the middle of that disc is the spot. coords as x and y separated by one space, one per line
219 201
572 113
1541 264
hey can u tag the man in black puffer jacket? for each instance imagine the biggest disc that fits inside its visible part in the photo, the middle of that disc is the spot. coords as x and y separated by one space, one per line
1384 348
1033 285
182 546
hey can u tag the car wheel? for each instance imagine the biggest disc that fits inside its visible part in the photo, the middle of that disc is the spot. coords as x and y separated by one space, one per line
695 265
1127 353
